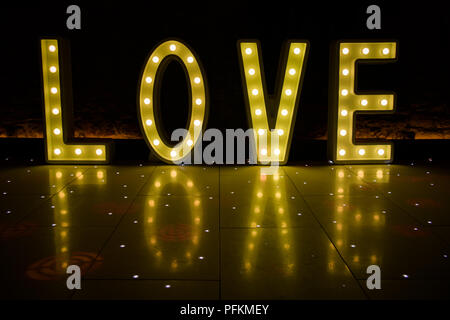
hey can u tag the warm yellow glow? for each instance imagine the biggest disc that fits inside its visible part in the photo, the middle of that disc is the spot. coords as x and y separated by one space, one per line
348 102
58 150
195 77
252 75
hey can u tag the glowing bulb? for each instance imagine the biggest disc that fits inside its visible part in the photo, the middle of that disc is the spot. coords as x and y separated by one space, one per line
248 51
263 152
384 102
190 142
362 152
288 92
156 142
364 102
261 132
344 92
57 151
190 59
55 111
53 90
345 51
52 48
56 131
380 152
258 112
99 152
342 152
386 51
297 50
292 71
197 80
345 72
149 122
52 69
147 101
197 122
251 71
277 151
173 153
78 151
198 102
155 59
172 47
344 113
255 92
343 132
148 80
284 112
365 51
280 132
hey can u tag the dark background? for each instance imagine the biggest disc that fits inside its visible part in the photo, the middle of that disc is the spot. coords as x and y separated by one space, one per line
116 37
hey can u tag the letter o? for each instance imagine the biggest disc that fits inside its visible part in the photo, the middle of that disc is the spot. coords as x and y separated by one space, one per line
148 99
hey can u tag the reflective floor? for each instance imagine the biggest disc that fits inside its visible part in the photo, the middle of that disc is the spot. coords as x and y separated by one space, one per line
167 232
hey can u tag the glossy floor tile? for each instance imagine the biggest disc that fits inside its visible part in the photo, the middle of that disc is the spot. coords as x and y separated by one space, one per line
211 232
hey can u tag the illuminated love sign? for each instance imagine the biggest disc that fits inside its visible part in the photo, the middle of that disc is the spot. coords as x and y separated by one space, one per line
272 144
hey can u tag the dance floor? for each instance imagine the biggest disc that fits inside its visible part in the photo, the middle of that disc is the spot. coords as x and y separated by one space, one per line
247 232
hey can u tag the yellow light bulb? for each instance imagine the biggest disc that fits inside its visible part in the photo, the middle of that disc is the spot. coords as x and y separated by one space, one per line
258 112
53 90
251 71
56 131
344 92
155 59
280 132
172 47
284 112
99 152
386 51
197 122
288 92
57 151
148 80
190 59
292 71
343 132
344 113
147 101
345 51
384 102
277 152
156 142
297 50
55 111
362 152
364 102
261 132
148 122
197 80
52 48
255 92
52 69
345 72
248 51
78 151
365 51
198 102
342 152
173 153
380 152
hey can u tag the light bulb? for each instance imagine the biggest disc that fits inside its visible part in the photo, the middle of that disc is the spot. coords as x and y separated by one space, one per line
258 112
344 113
52 69
284 112
156 142
190 59
56 131
263 152
342 152
362 152
57 151
55 111
345 51
147 101
190 142
172 47
280 132
343 132
344 92
277 151
197 122
297 50
148 80
384 102
99 152
53 90
173 153
386 51
380 152
198 102
365 51
261 132
155 59
288 92
251 71
149 122
248 51
345 72
197 80
255 92
78 151
292 71
364 102
52 48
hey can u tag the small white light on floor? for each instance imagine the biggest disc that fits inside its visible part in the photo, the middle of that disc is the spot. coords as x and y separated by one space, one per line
135 221
353 246
136 276
109 213
206 230
122 246
405 276
201 258
429 222
54 225
167 286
